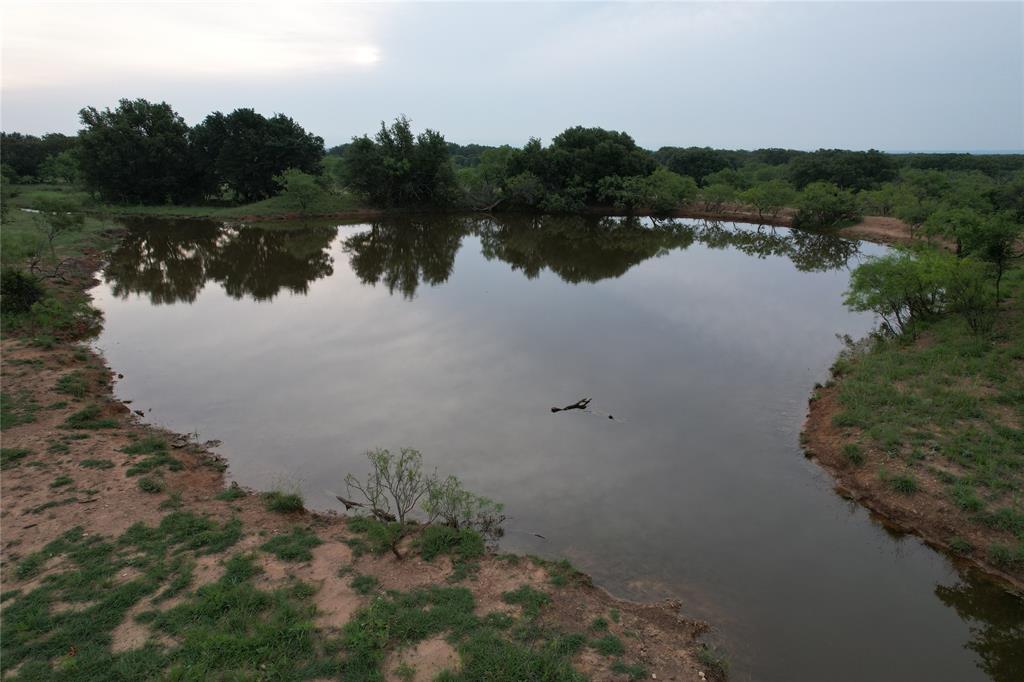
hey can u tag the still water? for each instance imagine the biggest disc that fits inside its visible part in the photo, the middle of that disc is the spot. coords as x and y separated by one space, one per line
301 348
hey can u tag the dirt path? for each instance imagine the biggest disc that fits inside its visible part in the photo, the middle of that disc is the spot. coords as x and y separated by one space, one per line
58 478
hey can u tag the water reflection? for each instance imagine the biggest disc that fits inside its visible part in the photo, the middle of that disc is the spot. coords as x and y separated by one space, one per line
997 625
171 261
403 253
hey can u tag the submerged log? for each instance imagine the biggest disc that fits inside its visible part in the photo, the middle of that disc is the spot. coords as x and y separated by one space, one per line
578 405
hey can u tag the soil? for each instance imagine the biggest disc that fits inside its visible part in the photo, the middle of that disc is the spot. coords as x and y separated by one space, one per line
107 501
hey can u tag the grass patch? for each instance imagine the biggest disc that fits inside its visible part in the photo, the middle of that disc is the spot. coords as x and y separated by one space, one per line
96 464
89 418
230 493
17 409
714 660
282 502
11 457
599 624
902 483
73 384
853 453
364 584
378 537
633 672
609 645
529 599
151 485
61 481
464 544
296 546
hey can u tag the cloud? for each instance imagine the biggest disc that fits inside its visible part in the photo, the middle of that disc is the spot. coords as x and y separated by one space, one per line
53 45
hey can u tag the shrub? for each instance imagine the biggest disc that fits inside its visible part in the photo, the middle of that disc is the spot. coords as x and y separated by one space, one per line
18 292
394 485
457 507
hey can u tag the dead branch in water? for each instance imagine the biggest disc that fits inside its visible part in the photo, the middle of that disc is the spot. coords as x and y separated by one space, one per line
578 405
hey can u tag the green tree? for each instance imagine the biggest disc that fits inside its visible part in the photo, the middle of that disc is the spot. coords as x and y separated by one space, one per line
997 240
300 189
715 196
769 198
61 168
397 168
823 204
248 151
138 152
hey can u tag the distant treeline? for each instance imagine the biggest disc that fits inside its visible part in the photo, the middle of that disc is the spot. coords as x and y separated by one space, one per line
143 152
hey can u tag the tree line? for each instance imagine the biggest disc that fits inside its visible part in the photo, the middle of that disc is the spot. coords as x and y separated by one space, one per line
144 152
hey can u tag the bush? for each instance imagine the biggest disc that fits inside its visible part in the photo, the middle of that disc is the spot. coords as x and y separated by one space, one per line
18 292
457 507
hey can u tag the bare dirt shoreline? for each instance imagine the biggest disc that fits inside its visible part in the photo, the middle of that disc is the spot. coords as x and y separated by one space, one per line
106 501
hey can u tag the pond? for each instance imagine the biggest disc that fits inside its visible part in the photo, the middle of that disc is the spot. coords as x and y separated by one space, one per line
699 343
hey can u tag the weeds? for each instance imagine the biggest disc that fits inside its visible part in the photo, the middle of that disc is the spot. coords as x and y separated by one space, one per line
89 418
529 599
364 584
72 384
17 409
11 457
296 546
282 502
609 645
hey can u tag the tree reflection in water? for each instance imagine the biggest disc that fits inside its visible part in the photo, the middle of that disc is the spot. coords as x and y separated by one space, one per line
171 261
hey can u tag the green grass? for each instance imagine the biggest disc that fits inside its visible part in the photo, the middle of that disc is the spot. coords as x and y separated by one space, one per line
96 464
529 599
283 502
854 453
376 537
73 384
609 645
230 493
633 672
599 624
464 544
364 584
89 418
296 546
151 485
902 483
714 660
30 195
17 409
49 644
11 457
157 457
61 481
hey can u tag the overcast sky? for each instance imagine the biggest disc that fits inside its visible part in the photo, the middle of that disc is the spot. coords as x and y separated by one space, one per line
895 76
